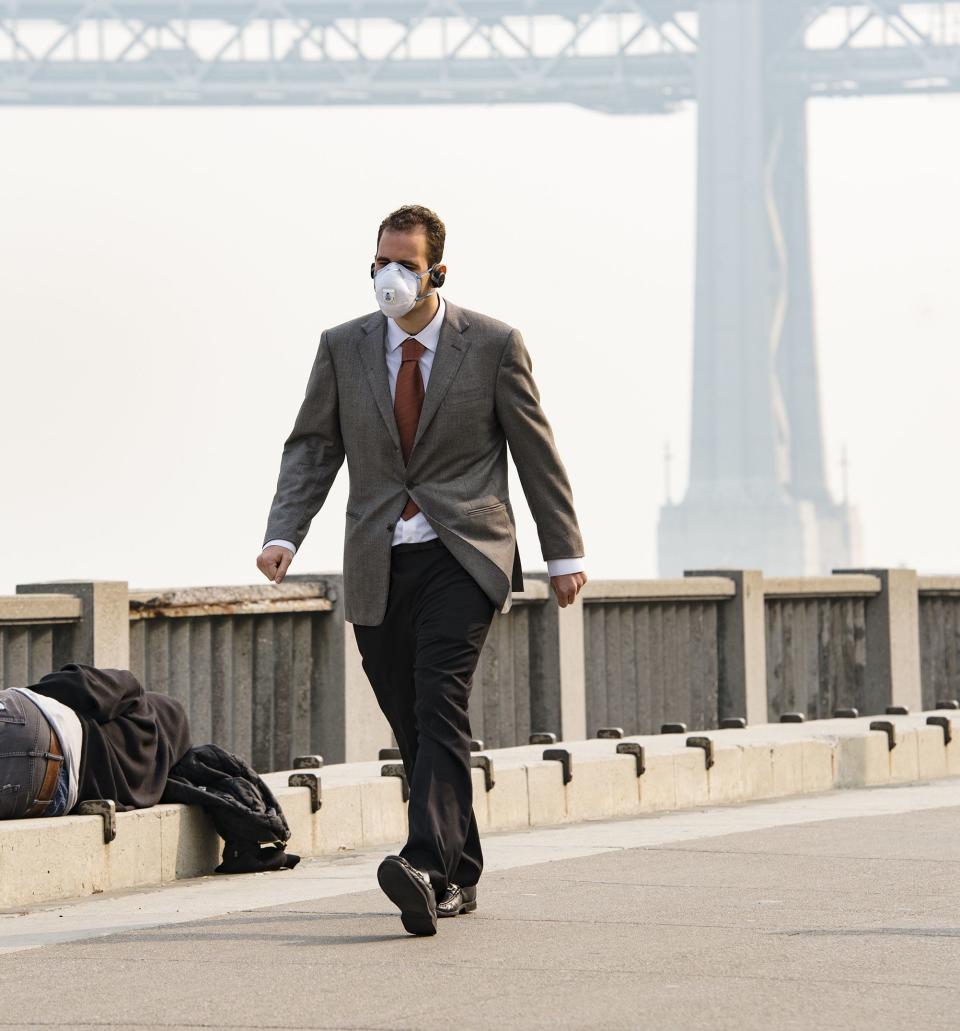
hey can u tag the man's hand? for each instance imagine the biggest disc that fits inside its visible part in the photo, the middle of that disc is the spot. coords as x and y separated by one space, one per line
567 587
274 561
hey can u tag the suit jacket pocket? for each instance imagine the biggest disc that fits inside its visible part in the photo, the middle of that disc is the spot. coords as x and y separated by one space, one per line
482 509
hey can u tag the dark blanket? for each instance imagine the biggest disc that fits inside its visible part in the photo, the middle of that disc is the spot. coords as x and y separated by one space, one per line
131 738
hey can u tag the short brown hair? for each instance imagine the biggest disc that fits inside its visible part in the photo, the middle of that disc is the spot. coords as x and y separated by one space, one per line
409 217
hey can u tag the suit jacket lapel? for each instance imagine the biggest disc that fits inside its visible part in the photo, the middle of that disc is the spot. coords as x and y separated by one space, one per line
451 347
373 355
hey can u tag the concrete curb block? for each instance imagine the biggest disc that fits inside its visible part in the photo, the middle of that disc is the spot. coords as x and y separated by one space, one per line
45 860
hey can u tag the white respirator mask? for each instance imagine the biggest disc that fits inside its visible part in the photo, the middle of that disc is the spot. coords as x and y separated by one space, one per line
397 289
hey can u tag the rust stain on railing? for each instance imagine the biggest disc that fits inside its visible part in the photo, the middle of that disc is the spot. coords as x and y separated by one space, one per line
199 602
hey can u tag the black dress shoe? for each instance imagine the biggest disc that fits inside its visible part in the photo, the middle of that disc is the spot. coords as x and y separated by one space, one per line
457 900
410 890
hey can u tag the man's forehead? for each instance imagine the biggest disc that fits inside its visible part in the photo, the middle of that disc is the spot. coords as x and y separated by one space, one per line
398 246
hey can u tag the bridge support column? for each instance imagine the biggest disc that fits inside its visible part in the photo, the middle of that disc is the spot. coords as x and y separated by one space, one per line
757 490
838 532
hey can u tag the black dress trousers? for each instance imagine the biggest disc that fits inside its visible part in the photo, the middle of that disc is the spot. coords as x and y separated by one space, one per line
420 661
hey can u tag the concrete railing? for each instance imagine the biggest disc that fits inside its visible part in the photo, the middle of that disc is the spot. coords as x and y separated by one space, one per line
507 697
35 632
248 663
652 652
273 672
816 643
939 621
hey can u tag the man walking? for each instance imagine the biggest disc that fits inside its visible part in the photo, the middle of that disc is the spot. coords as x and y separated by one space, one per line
422 399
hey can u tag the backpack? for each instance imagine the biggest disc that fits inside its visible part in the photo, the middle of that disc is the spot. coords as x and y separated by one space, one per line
244 810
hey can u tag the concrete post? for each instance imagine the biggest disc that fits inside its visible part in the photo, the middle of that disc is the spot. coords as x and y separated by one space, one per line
893 641
573 689
347 724
742 646
365 727
102 637
559 692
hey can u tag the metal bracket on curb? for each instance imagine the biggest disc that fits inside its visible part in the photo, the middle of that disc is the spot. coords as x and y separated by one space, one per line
543 738
846 714
485 763
308 762
609 732
562 756
397 770
733 723
388 753
792 717
105 808
307 780
632 748
948 703
897 710
673 728
889 729
476 746
707 745
944 723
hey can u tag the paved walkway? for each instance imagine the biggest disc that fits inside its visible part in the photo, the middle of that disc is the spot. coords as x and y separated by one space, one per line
837 911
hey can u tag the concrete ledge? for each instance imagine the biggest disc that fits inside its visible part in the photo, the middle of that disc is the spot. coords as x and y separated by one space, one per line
948 585
39 608
694 588
850 585
46 860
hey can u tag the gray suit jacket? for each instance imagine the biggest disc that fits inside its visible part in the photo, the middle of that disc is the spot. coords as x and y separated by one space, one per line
480 397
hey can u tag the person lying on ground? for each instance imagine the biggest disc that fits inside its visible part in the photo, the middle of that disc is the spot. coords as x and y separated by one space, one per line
84 733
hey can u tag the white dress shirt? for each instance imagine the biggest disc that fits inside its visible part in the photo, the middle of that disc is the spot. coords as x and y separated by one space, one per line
416 529
66 725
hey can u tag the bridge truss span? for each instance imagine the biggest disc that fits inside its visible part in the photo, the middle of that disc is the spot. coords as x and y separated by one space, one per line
612 55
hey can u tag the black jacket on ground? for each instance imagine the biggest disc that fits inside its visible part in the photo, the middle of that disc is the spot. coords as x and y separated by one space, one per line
136 751
244 810
131 737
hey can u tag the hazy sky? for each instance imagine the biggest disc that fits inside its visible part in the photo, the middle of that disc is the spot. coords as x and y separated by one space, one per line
165 275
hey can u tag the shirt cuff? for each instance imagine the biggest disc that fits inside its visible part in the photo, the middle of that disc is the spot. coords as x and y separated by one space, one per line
563 566
283 544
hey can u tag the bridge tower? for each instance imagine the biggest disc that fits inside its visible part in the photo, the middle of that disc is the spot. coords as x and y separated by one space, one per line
757 493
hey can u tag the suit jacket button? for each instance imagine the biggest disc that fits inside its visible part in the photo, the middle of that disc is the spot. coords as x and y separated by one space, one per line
389 526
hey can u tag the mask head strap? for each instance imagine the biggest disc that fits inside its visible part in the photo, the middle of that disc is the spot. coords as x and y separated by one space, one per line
436 278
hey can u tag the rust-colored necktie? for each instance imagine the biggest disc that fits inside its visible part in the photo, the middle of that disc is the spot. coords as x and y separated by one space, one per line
407 403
